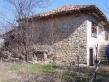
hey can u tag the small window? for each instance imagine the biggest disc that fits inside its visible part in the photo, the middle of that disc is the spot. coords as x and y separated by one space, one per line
12 37
6 44
94 30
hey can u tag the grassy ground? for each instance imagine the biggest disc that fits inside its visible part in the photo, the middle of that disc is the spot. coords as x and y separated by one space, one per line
25 72
34 68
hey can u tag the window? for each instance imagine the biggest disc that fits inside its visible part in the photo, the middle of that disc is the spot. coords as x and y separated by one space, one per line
6 43
94 30
12 37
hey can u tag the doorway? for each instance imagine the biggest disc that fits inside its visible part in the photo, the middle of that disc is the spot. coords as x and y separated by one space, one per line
91 53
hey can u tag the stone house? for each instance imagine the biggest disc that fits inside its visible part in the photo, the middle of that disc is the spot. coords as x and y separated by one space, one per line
67 33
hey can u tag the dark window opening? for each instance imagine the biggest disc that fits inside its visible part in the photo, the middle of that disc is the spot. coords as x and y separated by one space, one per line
6 44
94 30
40 55
12 37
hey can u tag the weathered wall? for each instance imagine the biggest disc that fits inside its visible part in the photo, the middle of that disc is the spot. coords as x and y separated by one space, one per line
95 43
65 37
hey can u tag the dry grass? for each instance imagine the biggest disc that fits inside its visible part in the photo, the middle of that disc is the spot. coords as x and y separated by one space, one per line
14 72
25 72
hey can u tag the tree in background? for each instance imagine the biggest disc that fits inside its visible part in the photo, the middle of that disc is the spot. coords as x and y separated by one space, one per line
21 34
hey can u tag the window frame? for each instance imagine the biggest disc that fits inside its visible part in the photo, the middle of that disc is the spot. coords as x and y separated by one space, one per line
94 30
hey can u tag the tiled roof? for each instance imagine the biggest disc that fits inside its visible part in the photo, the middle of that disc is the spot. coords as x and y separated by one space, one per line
67 8
70 9
64 8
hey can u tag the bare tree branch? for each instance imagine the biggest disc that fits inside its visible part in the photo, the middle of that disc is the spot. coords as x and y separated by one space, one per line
19 40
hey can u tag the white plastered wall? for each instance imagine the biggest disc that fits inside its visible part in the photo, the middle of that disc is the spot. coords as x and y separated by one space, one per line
93 42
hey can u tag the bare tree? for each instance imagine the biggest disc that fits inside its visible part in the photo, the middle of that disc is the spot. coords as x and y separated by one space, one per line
21 34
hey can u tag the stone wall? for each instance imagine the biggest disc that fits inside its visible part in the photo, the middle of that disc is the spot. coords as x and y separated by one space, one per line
65 37
62 38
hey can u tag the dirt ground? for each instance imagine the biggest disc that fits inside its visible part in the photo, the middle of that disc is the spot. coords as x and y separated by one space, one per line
15 72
